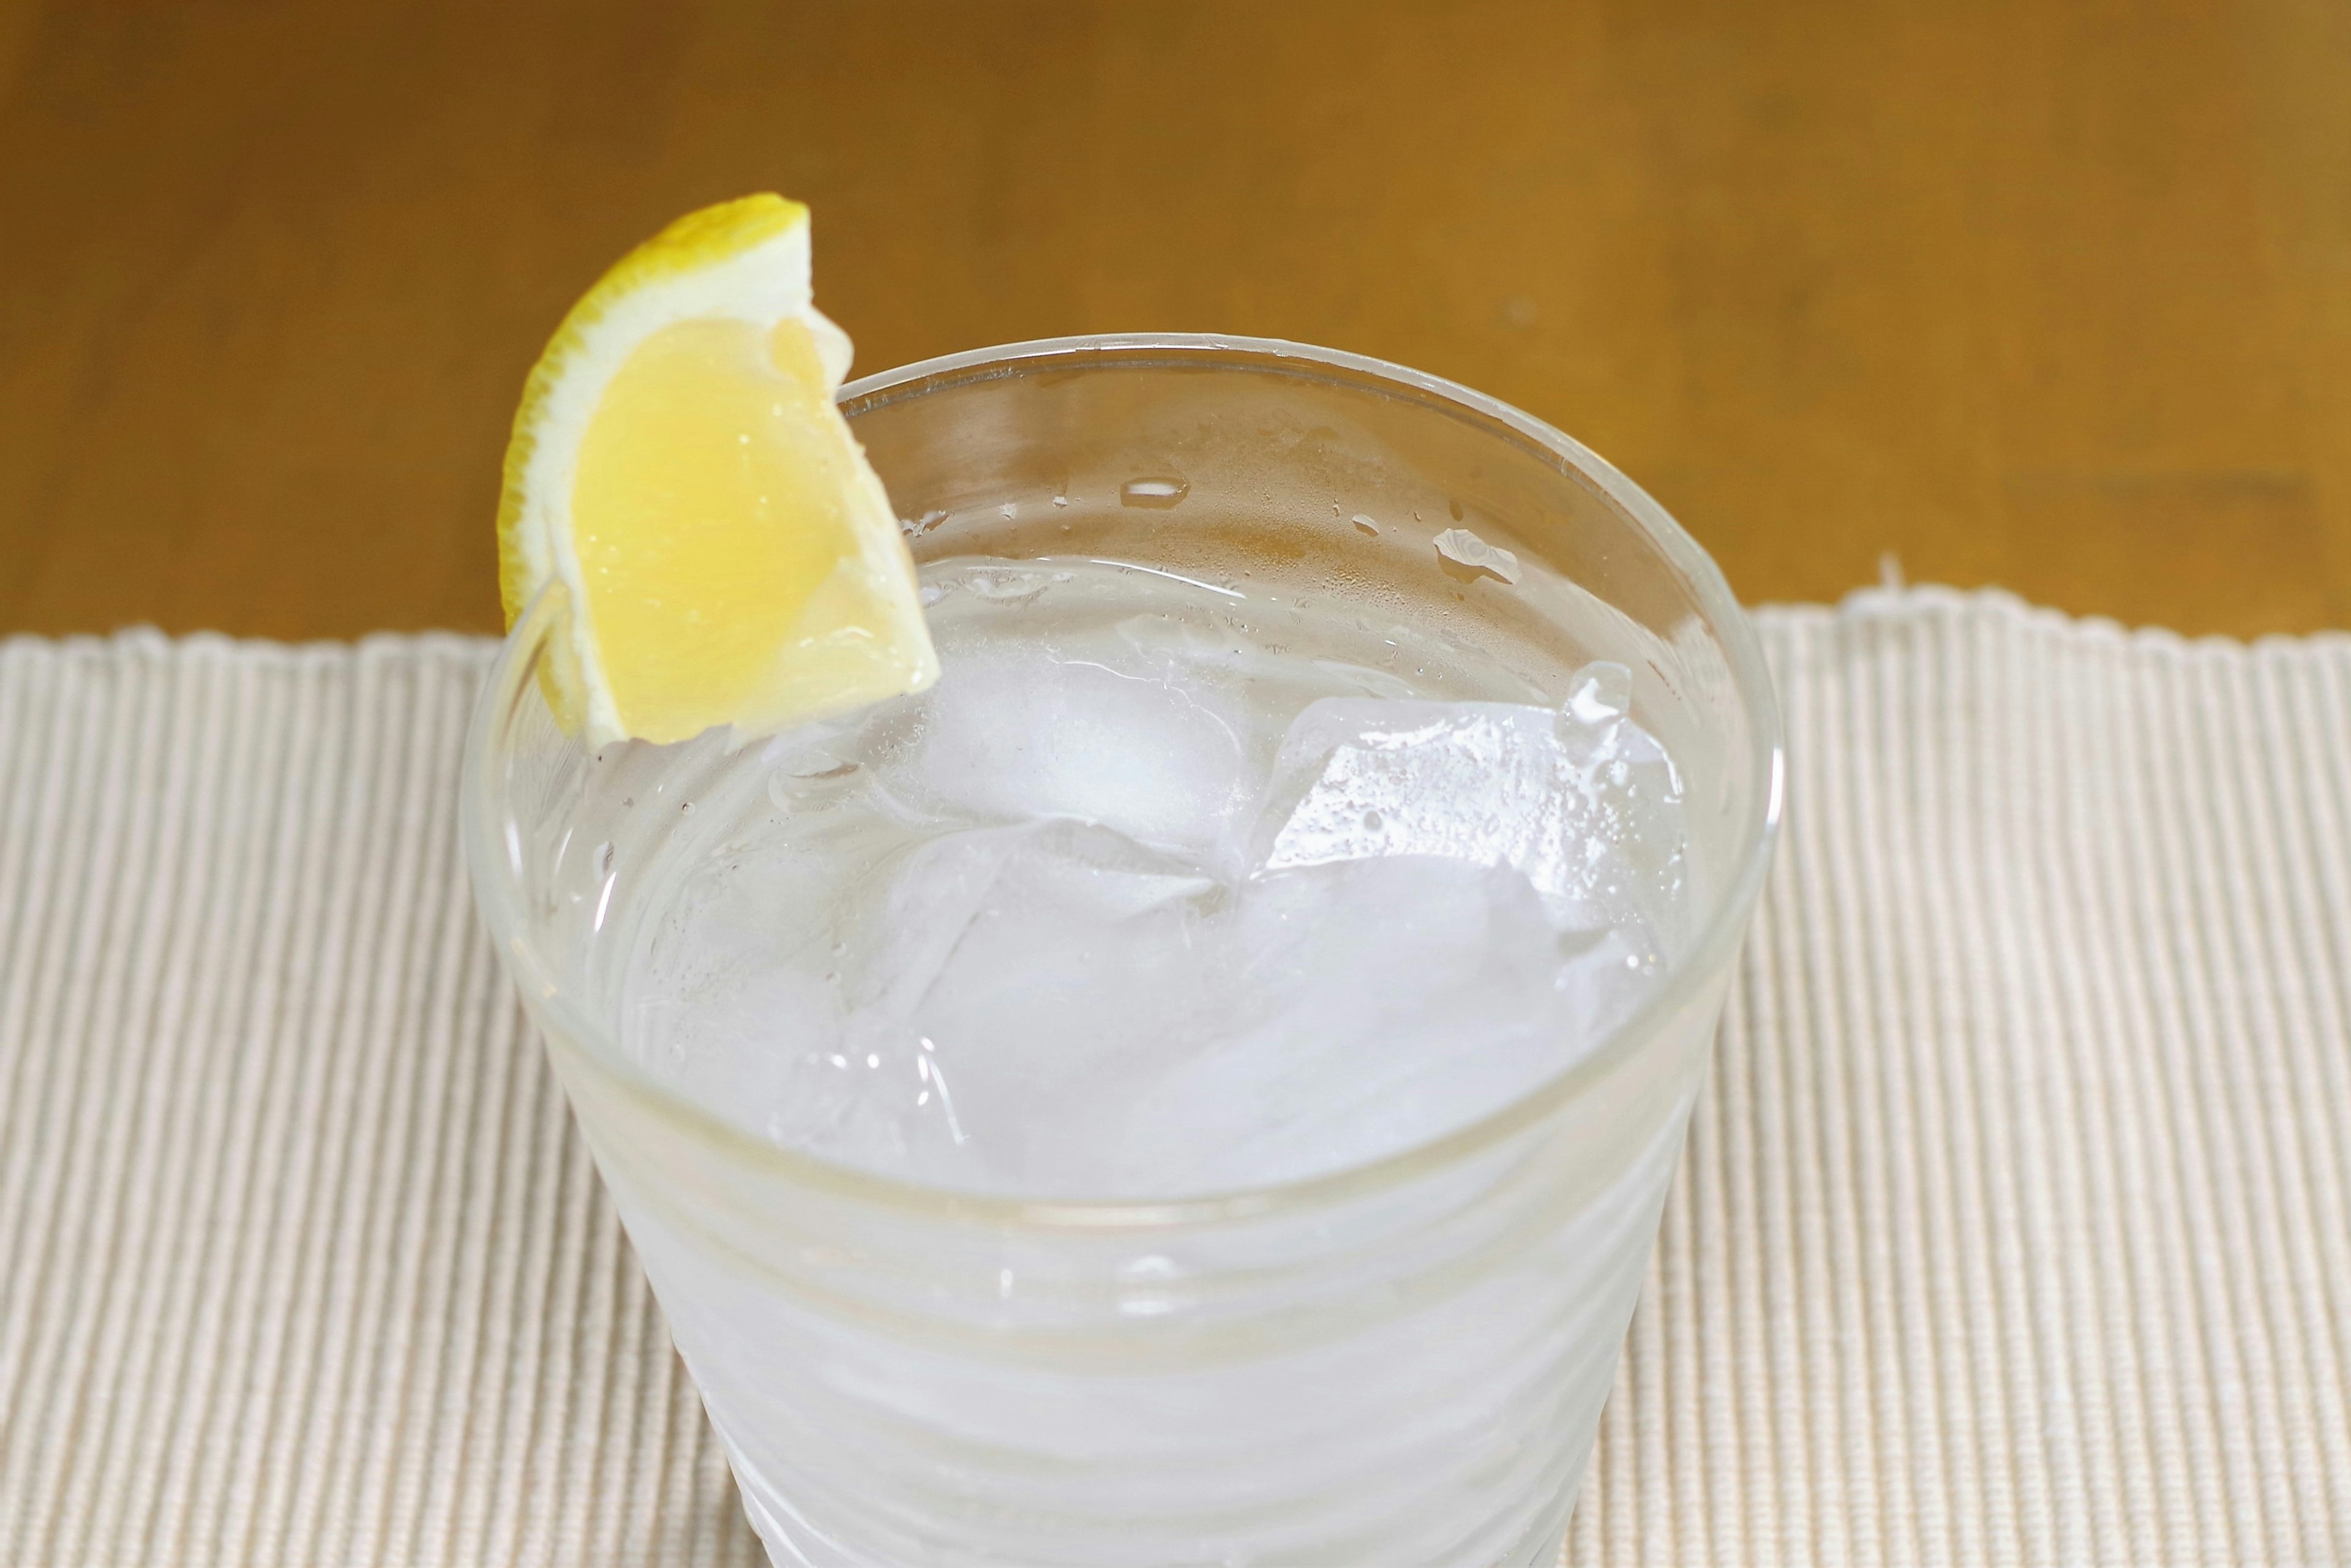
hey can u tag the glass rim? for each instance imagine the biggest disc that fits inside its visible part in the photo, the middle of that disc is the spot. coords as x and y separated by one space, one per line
494 865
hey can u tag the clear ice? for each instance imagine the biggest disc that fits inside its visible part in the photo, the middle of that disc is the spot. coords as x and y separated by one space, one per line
1143 899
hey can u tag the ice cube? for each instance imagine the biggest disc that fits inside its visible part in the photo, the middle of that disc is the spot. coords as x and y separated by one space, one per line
1361 777
1054 1010
1015 733
1060 994
1366 1006
1580 800
1094 1019
846 1023
945 901
918 907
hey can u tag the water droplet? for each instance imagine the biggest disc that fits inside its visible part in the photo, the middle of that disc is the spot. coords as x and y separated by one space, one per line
1153 492
1364 522
1465 548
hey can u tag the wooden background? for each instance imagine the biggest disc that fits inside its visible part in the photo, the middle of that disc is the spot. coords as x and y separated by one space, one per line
2051 295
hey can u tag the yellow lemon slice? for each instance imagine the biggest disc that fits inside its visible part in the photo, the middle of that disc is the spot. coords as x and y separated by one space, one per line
719 549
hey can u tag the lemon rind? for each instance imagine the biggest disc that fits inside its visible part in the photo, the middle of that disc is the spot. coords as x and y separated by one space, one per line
746 260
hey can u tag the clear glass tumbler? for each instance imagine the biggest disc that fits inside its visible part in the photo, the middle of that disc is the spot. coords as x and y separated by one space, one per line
1401 1363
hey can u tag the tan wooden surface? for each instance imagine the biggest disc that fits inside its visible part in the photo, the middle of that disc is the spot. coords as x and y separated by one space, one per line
2056 295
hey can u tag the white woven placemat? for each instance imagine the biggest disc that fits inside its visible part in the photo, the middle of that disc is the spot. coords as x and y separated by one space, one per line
2015 1225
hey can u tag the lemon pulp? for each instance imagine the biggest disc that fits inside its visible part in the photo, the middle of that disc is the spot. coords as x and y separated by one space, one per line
725 575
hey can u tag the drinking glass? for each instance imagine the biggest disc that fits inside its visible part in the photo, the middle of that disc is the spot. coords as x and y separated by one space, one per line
1398 1363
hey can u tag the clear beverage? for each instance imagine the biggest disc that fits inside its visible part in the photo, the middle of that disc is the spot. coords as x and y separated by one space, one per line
1167 888
1198 1085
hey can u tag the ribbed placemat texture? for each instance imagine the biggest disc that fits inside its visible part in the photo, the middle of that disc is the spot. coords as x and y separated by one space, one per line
2015 1225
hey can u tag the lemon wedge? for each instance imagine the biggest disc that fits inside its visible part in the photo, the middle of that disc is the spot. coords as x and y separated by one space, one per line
720 551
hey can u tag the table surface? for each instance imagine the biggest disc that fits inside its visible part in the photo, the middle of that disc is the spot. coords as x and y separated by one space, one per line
2056 297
